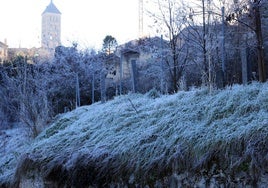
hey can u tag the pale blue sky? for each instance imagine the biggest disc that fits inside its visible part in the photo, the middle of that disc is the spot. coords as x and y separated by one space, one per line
84 21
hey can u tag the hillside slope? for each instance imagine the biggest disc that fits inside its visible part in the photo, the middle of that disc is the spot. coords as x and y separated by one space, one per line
187 139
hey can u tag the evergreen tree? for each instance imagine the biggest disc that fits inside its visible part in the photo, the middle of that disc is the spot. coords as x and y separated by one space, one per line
109 45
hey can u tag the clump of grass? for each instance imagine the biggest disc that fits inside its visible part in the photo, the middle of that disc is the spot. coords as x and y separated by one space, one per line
153 93
57 127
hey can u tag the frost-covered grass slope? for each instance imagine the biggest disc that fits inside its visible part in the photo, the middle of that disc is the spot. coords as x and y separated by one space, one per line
141 139
12 143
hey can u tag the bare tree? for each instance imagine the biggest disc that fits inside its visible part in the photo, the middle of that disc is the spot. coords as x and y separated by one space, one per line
247 13
170 21
29 99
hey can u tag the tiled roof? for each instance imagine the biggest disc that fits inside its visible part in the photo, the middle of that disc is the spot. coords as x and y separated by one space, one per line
51 8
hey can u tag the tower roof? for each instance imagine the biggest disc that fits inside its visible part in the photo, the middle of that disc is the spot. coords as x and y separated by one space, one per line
51 8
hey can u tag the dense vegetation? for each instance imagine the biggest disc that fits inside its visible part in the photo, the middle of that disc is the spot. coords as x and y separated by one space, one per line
185 139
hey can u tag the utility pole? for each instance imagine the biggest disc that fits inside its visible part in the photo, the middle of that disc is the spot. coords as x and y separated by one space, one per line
140 18
93 84
223 46
77 91
102 86
121 74
162 67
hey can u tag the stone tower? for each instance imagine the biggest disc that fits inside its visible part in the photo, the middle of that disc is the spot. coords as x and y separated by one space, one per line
51 27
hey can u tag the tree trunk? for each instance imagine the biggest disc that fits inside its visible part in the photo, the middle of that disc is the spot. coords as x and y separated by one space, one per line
261 67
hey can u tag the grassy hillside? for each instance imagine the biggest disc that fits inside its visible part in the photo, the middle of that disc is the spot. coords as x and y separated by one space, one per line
191 139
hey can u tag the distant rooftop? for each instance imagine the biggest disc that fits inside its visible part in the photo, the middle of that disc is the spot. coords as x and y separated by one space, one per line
3 44
51 8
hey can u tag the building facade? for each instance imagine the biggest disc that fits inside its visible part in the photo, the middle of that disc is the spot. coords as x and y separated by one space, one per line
51 27
3 51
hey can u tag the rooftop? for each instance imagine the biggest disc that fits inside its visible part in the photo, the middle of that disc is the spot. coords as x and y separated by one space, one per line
51 8
3 44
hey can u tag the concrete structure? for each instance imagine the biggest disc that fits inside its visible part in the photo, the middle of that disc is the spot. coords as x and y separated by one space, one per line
51 27
128 67
3 51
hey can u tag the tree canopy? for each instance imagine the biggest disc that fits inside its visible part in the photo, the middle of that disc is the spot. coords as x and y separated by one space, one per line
109 44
